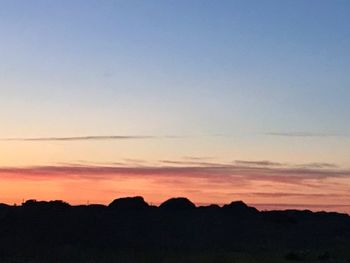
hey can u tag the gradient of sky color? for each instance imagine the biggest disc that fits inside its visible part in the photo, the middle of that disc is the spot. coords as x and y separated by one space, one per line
209 81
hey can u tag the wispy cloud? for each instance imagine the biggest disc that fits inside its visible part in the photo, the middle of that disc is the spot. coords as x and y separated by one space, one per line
218 172
94 138
317 165
303 134
82 138
137 137
258 163
290 194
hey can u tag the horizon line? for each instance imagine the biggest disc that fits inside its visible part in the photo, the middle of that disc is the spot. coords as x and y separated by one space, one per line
289 206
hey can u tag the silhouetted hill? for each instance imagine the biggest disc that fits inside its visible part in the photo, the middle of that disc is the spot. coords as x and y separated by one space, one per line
129 230
3 205
34 204
240 208
136 202
179 203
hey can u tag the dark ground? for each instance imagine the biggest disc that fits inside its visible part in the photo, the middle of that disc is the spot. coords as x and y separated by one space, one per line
129 230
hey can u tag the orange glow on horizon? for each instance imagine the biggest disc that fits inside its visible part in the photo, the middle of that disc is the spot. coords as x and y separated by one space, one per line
155 188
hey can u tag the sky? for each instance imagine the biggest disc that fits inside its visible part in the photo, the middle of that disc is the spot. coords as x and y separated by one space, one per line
213 100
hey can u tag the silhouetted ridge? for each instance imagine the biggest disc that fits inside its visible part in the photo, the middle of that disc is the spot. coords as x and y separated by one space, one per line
131 231
210 207
129 203
4 206
45 205
240 207
179 203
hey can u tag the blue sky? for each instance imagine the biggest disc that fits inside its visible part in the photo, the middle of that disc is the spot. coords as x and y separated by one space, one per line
175 67
199 67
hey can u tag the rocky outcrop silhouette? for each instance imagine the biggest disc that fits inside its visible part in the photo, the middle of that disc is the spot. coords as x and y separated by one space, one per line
129 203
55 204
178 203
240 208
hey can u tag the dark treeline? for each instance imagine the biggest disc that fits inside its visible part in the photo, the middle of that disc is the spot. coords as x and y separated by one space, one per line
130 230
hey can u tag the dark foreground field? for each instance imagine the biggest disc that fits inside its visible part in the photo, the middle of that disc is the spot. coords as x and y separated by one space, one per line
129 230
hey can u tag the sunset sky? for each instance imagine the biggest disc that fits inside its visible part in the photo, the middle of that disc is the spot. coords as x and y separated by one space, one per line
212 100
